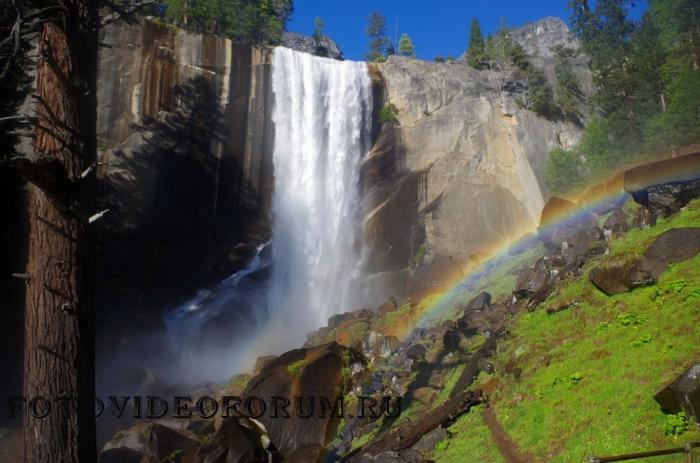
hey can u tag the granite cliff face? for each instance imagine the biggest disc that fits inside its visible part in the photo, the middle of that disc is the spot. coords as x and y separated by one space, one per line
185 135
462 169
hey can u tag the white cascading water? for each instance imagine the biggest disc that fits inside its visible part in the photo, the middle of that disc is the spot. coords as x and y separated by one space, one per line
322 119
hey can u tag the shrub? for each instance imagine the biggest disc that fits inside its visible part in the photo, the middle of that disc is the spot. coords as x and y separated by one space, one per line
442 445
675 425
388 113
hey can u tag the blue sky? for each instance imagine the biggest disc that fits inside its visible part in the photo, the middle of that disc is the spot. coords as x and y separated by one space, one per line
436 26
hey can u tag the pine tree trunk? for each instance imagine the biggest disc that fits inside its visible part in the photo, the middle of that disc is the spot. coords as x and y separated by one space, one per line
59 318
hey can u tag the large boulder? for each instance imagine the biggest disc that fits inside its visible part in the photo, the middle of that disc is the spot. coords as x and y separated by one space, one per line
665 185
682 394
672 246
149 443
480 302
324 47
529 282
235 442
617 223
319 372
619 275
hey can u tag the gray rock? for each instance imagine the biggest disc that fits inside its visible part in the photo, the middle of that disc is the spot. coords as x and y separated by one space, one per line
682 394
428 442
619 275
325 47
462 149
670 247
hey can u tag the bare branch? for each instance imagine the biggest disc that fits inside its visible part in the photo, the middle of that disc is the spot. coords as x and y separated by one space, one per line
16 37
52 116
46 172
19 117
123 12
97 216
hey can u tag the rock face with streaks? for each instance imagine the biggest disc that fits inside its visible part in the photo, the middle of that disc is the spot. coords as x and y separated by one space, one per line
184 139
463 167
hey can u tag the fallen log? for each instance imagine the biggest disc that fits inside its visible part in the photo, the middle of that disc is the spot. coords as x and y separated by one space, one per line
460 401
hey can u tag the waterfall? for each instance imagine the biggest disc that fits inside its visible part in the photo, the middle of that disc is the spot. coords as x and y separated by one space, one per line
311 268
322 120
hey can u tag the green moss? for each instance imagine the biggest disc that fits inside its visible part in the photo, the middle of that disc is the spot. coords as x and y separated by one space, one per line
388 113
295 368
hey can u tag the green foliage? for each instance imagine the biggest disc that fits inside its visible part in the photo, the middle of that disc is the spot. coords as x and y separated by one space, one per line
379 44
318 30
476 52
294 368
174 457
388 113
439 59
243 21
561 170
568 380
406 46
644 339
567 90
418 257
630 319
675 425
442 445
647 77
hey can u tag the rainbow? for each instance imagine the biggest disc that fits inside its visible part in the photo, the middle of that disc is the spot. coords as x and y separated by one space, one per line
556 213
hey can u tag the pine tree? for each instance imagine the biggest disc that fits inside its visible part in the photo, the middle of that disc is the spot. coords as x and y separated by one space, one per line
406 46
318 30
376 32
476 52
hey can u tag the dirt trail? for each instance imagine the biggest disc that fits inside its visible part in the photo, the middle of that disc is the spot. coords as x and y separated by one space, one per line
509 450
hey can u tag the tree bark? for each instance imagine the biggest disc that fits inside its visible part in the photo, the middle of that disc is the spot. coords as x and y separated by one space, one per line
59 318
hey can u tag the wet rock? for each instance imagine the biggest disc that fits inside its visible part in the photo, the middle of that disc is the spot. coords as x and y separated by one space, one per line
619 275
318 372
416 352
148 443
529 282
309 453
450 340
318 337
358 315
646 218
235 442
480 302
682 394
411 456
425 395
388 457
261 361
672 246
486 366
388 306
665 185
617 223
427 443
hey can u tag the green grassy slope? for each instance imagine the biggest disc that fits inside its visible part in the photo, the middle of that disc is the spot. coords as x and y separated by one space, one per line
581 382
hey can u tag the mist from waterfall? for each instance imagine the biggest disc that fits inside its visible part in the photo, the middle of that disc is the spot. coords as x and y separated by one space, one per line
322 119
